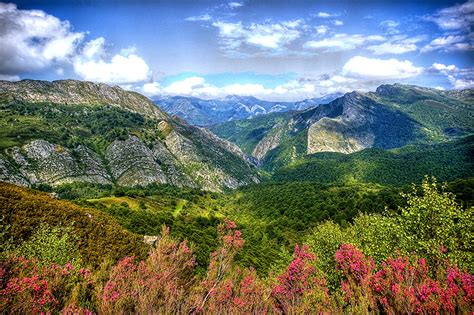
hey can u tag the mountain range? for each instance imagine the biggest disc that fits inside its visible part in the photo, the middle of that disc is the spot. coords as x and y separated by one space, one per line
201 112
391 117
68 131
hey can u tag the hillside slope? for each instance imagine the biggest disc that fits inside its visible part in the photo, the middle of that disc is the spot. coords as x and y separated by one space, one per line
99 235
69 131
391 117
446 161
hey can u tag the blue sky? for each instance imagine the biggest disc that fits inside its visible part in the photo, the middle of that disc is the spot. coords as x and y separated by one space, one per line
275 50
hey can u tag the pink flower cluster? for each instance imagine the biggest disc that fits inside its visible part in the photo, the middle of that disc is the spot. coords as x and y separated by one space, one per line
404 285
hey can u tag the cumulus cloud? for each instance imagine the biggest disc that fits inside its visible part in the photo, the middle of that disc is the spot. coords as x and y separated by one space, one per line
449 43
457 17
32 40
204 17
372 68
264 36
321 29
340 42
198 87
122 68
338 22
458 78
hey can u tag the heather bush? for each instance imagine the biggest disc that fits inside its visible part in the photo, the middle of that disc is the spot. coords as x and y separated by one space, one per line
29 287
357 271
158 284
220 266
403 285
301 288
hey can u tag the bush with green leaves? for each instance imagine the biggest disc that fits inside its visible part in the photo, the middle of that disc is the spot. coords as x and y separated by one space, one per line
435 226
51 245
432 225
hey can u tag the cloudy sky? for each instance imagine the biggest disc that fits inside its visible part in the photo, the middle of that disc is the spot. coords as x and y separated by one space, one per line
275 50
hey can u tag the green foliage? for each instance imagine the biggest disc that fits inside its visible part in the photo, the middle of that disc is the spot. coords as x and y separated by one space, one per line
447 161
51 245
433 225
95 126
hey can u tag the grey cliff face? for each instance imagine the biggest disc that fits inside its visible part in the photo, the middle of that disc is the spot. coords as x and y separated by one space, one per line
176 154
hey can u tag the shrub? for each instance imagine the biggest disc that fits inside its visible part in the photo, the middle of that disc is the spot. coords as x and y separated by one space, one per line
51 245
29 287
301 288
157 284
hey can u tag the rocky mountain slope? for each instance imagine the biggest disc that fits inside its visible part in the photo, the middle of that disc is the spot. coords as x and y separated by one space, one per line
217 111
73 131
393 116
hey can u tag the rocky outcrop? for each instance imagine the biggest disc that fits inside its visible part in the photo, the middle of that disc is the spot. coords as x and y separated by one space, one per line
158 148
132 163
269 142
42 162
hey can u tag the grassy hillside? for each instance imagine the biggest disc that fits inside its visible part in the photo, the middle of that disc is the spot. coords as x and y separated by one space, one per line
446 161
95 126
99 235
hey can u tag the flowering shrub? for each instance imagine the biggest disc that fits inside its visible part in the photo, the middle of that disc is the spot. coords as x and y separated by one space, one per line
357 270
402 285
299 288
159 283
220 266
30 287
166 283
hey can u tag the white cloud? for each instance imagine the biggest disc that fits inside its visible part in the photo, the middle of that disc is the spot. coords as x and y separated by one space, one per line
392 48
368 68
32 40
443 67
204 17
198 87
234 5
9 77
389 26
341 42
126 67
449 43
151 89
457 17
459 78
267 36
338 22
397 44
325 15
321 29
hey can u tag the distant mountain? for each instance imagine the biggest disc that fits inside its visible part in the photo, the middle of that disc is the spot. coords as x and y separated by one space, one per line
391 117
217 111
74 131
